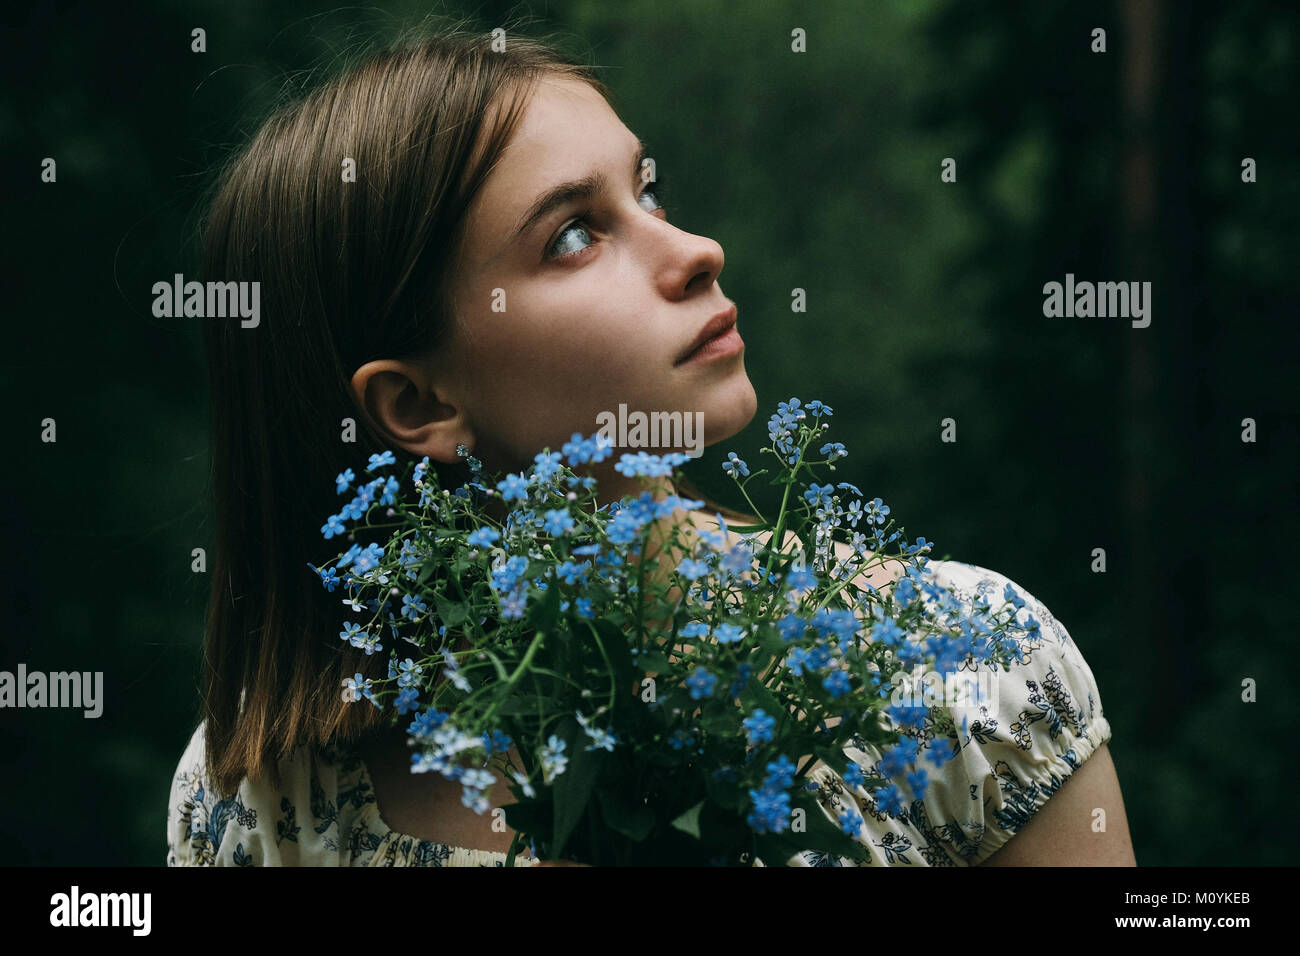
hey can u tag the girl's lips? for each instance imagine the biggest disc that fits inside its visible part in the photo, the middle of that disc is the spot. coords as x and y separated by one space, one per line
720 346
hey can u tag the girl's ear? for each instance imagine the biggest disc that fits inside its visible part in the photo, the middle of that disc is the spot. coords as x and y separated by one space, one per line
416 413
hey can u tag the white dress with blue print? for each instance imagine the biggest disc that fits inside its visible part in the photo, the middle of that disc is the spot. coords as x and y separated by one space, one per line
1008 759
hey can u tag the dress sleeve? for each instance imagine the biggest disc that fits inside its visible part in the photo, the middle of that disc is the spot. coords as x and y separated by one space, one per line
1006 756
1013 753
187 792
205 829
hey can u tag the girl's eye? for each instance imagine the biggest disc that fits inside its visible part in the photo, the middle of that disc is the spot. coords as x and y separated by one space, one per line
563 246
567 242
655 189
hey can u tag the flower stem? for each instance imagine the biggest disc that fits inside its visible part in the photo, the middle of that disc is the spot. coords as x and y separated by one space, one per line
533 648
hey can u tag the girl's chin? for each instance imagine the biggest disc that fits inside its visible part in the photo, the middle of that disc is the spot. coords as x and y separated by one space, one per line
729 412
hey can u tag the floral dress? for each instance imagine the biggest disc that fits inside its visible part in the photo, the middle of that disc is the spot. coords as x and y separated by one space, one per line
1009 755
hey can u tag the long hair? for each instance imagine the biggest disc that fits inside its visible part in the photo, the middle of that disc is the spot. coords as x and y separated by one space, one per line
349 272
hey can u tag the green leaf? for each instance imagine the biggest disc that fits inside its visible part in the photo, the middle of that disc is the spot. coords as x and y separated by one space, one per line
755 695
450 613
500 668
532 817
543 614
689 822
720 720
750 528
653 662
573 787
771 642
620 655
628 816
726 793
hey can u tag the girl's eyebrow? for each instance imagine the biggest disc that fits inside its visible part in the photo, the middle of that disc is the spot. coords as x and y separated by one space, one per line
573 191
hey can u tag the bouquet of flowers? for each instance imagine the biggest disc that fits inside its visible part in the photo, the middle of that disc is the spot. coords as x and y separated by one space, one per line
657 690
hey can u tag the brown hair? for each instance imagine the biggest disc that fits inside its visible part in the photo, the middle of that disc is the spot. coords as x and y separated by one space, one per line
349 272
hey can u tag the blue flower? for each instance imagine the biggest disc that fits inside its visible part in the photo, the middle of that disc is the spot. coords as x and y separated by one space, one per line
791 627
380 460
601 739
553 762
424 724
410 673
940 751
557 522
877 511
692 569
734 465
413 607
508 574
729 633
818 495
780 773
579 450
853 775
907 716
344 480
572 572
817 658
513 488
546 464
701 684
918 781
367 558
800 579
837 682
771 811
897 757
695 629
332 527
834 450
653 466
482 537
889 800
759 726
329 580
851 822
512 605
888 632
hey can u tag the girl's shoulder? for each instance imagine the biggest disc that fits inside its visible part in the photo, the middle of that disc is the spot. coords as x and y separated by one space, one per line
322 813
993 749
307 820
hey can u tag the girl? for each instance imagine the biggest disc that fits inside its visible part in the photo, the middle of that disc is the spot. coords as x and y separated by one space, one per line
459 248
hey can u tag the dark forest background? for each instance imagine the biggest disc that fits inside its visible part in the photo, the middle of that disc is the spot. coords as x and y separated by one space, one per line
819 171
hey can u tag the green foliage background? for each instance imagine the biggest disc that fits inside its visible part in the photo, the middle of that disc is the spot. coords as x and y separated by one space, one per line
818 171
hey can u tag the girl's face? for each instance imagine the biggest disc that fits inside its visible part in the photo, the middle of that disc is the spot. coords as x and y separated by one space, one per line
568 306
